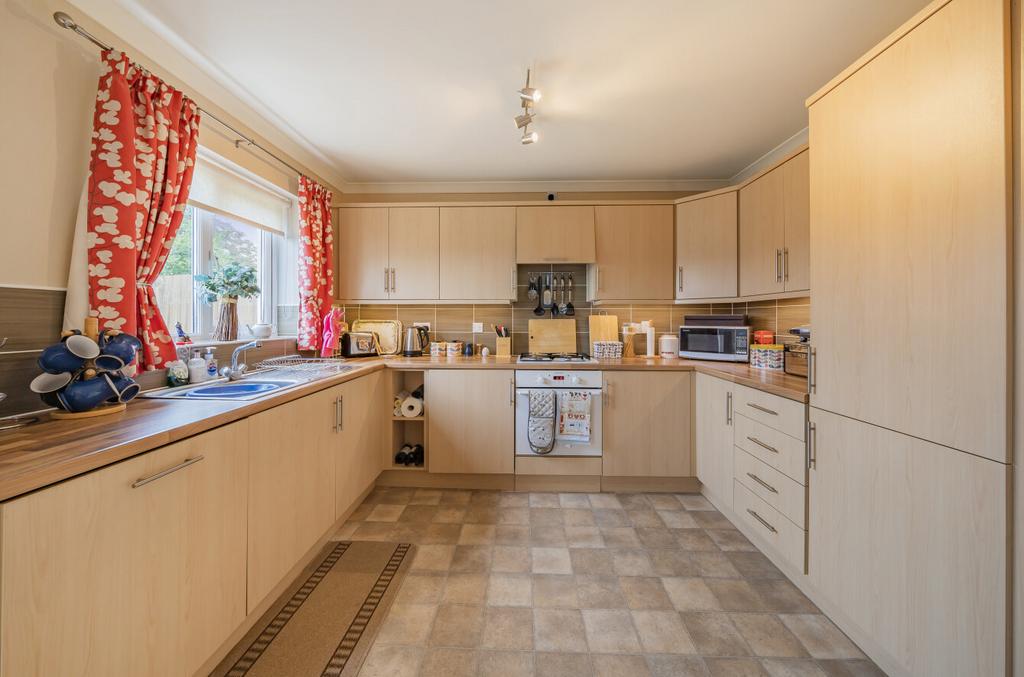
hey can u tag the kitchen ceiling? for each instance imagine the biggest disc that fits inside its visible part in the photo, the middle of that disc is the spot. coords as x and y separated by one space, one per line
394 91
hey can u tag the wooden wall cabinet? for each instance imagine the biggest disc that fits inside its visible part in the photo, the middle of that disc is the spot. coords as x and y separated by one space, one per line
388 253
713 420
470 421
911 235
478 253
774 230
646 424
634 253
907 540
562 234
706 248
103 578
292 452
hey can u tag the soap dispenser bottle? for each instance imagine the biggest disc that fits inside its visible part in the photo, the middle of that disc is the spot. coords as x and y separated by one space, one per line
196 368
211 364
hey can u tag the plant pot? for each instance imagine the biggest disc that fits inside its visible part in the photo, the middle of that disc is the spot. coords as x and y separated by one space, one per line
227 320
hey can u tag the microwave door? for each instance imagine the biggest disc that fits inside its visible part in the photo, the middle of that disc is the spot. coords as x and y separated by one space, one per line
707 341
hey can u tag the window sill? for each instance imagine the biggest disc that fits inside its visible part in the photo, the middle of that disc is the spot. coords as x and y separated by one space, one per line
210 343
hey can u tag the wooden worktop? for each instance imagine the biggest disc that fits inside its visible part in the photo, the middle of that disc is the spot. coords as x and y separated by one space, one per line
51 451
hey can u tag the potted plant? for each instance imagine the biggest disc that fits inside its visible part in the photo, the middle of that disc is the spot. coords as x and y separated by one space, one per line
229 283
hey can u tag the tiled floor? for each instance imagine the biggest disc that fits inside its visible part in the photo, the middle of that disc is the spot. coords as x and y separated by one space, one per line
506 584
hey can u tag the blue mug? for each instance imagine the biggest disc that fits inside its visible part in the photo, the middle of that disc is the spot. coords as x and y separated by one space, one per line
109 362
50 400
57 358
127 389
121 346
86 395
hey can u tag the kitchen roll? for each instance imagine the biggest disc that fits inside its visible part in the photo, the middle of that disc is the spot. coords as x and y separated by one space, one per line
412 407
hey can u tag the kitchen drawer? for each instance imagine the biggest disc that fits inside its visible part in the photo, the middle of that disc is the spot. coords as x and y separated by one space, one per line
769 526
771 486
782 452
785 415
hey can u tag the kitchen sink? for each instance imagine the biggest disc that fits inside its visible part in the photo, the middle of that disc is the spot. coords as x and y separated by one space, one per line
235 390
250 387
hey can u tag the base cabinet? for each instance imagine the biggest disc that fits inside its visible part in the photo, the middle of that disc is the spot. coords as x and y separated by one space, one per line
357 444
646 424
470 421
108 574
714 437
907 540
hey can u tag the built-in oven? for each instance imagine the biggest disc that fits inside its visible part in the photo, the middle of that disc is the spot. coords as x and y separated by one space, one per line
725 344
574 415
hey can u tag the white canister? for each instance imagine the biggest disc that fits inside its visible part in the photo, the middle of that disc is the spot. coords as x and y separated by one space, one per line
668 346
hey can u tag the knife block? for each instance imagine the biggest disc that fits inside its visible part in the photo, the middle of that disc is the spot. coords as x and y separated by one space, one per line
503 346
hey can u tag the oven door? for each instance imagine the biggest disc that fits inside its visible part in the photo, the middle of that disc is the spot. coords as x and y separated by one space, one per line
714 343
592 447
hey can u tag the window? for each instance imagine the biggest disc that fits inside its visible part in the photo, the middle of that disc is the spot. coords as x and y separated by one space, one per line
230 219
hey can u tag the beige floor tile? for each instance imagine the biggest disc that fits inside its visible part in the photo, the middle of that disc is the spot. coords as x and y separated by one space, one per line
620 537
563 665
439 534
446 662
510 590
465 589
767 636
512 499
545 516
504 664
600 592
555 591
425 497
513 515
421 589
634 501
487 498
632 563
850 668
608 518
418 514
656 537
714 565
574 501
677 519
477 534
735 594
457 625
610 631
384 512
796 667
713 634
664 502
645 517
481 514
551 561
593 561
611 665
375 531
711 519
644 592
734 667
455 497
820 637
508 628
662 632
433 557
511 534
407 624
510 559
690 594
694 502
672 563
695 540
346 532
676 666
471 559
754 565
781 596
450 514
547 535
604 501
386 660
558 630
544 500
578 517
584 537
730 540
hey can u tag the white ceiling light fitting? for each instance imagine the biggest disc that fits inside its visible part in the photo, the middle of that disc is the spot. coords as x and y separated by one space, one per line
528 97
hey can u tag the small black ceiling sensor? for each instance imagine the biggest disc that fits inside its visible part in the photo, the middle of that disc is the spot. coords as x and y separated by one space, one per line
552 196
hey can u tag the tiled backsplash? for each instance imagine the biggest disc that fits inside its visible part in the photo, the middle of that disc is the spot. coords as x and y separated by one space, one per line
455 322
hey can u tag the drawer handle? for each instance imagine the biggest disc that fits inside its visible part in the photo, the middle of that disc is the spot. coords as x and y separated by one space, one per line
762 444
164 473
763 523
762 483
760 408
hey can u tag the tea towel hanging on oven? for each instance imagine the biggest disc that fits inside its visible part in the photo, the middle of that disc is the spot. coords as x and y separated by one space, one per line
573 423
540 429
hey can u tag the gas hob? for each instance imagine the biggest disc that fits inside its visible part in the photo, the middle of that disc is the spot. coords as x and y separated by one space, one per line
555 357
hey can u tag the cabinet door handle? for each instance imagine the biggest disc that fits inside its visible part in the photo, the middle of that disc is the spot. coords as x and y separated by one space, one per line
512 392
778 265
164 473
762 483
339 413
679 278
763 522
785 264
598 268
812 445
392 280
760 408
515 289
606 396
386 289
812 363
728 408
762 444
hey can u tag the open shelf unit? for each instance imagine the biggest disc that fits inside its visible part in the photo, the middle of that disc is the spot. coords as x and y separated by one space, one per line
406 430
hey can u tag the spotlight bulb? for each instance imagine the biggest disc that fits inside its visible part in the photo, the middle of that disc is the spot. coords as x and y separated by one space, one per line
529 94
529 137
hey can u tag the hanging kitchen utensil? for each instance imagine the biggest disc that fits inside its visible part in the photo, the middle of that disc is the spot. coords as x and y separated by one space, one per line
547 296
569 309
540 309
562 306
531 291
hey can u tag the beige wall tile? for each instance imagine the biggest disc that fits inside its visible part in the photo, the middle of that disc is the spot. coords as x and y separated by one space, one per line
378 312
454 318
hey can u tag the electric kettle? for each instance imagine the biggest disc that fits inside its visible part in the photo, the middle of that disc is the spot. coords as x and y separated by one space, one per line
417 339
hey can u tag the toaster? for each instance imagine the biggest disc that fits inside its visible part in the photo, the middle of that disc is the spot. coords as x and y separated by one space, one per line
358 344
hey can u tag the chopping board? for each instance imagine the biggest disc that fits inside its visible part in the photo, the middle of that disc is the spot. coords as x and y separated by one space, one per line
552 336
603 328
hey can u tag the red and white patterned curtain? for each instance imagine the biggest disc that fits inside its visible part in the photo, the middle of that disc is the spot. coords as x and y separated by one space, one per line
144 140
316 262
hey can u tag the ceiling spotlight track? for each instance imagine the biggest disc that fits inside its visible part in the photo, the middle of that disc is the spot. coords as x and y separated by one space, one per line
528 97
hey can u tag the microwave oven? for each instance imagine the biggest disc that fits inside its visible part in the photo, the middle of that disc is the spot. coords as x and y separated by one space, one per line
725 344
